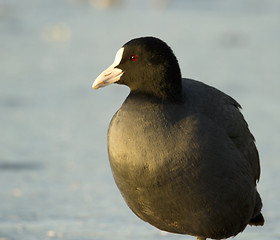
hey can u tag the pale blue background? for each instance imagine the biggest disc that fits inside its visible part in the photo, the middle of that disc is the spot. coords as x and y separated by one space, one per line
55 178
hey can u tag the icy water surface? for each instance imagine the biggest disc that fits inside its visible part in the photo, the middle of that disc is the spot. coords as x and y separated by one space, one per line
55 179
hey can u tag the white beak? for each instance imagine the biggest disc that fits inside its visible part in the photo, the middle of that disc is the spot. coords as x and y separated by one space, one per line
111 74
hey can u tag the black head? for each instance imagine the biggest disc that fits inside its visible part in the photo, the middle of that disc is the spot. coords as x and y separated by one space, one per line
148 66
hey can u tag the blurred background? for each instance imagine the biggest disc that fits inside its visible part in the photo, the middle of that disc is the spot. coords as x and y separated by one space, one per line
55 178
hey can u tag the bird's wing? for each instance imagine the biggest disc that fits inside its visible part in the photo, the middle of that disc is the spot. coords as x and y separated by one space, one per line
225 111
237 129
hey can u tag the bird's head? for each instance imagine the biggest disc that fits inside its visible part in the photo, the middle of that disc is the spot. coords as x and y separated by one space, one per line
146 65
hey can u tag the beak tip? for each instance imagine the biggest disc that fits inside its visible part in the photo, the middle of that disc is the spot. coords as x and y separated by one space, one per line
97 84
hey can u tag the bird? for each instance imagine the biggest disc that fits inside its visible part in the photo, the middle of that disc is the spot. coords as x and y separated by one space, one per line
180 151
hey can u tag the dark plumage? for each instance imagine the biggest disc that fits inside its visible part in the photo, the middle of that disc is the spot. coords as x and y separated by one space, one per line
180 151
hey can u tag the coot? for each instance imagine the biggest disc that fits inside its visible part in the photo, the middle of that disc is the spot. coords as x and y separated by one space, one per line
180 151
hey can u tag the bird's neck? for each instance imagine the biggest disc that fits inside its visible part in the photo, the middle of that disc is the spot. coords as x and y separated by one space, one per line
160 91
161 97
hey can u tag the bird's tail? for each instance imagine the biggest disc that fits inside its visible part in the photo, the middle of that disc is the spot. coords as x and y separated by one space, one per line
257 220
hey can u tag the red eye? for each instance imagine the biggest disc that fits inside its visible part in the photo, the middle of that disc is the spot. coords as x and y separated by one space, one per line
133 58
